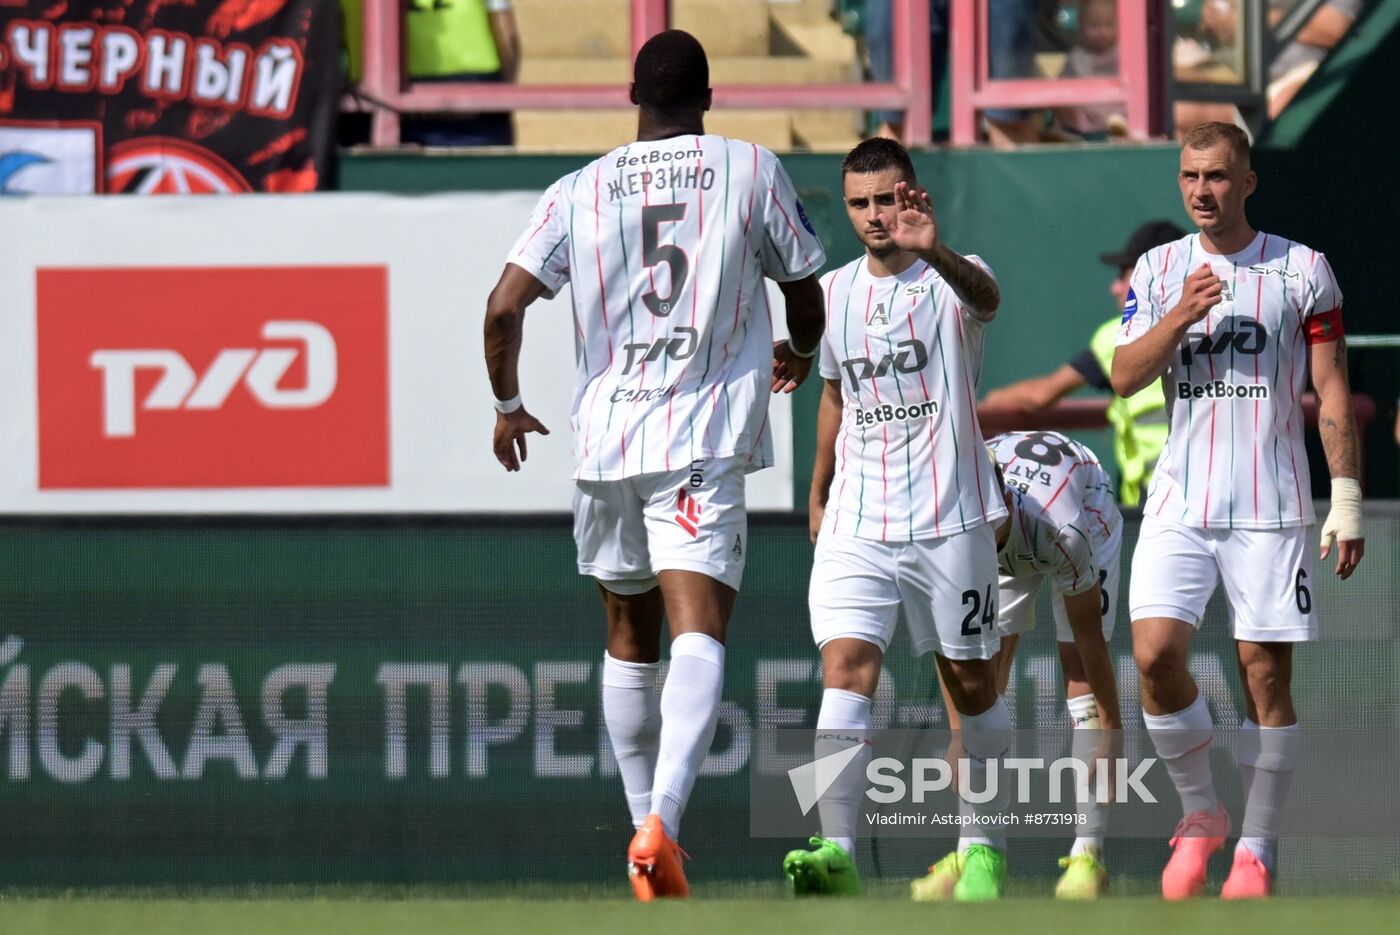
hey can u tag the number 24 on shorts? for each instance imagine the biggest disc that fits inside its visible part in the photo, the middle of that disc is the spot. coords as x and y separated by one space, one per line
987 606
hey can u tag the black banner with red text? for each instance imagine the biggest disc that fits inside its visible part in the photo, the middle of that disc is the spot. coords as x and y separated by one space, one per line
167 96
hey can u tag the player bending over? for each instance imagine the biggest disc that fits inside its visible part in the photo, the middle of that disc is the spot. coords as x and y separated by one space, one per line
1064 525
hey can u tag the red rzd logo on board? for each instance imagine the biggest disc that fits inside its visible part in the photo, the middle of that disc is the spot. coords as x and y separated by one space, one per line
213 377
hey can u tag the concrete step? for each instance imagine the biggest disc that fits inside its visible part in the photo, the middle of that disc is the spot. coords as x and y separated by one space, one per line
725 27
598 131
809 12
822 41
828 131
574 28
740 70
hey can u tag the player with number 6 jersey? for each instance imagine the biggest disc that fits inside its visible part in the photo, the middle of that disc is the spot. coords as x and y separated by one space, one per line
1234 320
666 243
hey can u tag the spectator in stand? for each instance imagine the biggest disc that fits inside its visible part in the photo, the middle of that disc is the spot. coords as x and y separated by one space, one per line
461 41
879 41
1095 54
1296 62
1011 54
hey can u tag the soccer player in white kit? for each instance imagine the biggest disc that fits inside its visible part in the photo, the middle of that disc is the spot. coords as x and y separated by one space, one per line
1235 320
1064 525
666 242
903 504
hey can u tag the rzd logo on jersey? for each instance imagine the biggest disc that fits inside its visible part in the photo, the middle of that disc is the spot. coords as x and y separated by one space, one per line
1234 335
213 377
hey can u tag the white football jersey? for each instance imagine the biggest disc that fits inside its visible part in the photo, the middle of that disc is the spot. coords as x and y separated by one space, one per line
1063 512
666 244
1234 456
910 462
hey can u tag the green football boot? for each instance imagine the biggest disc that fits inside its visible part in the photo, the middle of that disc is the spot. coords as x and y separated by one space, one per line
825 870
983 875
1084 877
942 877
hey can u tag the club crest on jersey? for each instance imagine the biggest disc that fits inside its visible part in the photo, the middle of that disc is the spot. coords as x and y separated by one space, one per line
1129 305
879 320
806 221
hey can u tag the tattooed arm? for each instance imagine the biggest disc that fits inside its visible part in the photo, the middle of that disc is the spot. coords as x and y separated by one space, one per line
970 282
1336 421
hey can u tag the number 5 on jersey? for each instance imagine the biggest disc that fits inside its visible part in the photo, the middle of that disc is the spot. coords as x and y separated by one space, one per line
655 253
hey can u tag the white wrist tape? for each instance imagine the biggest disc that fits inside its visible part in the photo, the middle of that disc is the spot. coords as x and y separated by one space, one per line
508 406
1344 519
807 356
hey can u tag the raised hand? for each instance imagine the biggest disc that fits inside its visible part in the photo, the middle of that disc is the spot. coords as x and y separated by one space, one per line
915 227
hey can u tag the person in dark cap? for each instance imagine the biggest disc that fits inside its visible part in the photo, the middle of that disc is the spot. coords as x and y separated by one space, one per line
1139 422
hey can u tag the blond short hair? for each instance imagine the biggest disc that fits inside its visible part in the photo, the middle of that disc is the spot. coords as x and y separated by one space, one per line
1208 135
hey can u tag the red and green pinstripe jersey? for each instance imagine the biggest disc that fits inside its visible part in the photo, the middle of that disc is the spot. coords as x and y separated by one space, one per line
1234 456
1063 513
666 244
909 458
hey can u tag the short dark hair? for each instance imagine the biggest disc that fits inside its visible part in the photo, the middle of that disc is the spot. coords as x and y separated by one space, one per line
1208 135
876 155
672 72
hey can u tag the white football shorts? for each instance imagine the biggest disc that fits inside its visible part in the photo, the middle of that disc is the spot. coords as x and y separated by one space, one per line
692 519
1267 573
946 587
1016 605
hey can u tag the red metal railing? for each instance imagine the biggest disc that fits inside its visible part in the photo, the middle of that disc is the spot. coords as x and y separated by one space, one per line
973 90
384 82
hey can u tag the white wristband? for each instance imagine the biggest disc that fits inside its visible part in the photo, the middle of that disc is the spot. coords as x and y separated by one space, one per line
1344 519
807 356
507 406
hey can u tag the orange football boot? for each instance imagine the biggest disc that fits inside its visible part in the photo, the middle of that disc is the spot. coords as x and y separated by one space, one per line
654 864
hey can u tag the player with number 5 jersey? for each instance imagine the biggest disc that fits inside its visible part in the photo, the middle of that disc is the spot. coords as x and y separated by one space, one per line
901 508
666 243
1234 320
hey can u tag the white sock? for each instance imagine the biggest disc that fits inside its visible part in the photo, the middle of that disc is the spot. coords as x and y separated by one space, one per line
689 710
986 738
1267 758
632 712
1084 744
1182 740
844 719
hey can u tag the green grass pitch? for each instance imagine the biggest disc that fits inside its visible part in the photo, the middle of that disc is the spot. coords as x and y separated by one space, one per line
734 909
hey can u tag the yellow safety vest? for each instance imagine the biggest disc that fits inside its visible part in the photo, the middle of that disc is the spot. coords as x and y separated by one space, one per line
1139 423
444 37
